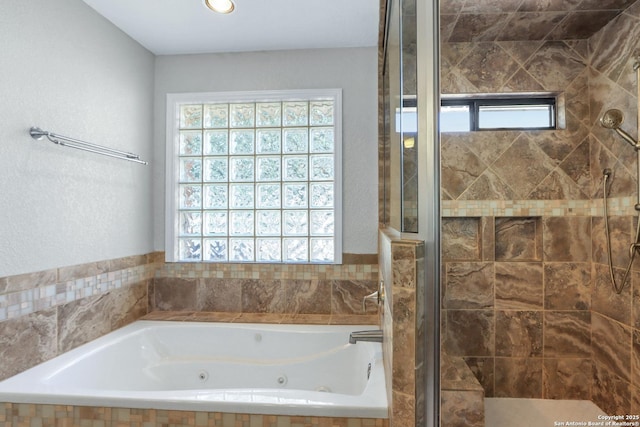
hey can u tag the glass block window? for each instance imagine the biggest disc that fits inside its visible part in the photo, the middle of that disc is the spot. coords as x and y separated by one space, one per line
254 177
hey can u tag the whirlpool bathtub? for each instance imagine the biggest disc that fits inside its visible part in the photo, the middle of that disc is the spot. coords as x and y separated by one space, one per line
218 367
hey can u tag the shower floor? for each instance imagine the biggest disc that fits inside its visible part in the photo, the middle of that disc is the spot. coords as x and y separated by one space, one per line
503 412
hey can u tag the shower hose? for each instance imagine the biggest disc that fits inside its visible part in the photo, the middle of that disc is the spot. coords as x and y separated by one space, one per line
632 248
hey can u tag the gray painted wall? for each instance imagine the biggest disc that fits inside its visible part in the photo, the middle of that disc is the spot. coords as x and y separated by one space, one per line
354 70
66 69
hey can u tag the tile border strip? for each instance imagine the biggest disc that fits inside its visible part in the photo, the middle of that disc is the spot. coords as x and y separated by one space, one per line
28 301
269 271
618 206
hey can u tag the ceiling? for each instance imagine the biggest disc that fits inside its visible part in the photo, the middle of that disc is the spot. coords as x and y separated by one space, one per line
167 27
515 20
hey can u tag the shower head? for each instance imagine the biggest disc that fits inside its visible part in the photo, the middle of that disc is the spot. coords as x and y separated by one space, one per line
612 119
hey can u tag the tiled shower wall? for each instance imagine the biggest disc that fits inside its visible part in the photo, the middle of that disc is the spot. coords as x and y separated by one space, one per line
516 303
615 318
526 296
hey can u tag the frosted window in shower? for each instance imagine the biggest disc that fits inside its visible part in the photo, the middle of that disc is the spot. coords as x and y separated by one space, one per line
498 111
515 116
254 177
455 118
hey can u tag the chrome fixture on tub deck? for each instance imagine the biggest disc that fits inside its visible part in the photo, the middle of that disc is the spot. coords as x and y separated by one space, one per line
371 336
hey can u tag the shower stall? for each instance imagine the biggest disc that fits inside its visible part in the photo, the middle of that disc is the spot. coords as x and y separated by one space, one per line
536 229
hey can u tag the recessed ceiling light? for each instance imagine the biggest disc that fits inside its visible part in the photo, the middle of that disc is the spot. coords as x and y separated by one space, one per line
220 6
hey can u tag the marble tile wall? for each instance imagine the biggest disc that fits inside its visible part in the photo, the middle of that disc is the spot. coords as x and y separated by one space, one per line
461 396
516 303
401 264
48 415
262 296
515 165
535 316
615 333
267 288
50 312
527 19
385 237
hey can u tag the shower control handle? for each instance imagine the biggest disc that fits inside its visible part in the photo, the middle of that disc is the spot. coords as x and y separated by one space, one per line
377 296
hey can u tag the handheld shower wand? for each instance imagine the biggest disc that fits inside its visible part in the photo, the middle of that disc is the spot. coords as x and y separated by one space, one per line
612 119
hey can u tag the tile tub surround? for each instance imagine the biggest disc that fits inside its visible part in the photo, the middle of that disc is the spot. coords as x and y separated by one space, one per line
32 292
46 313
273 318
44 415
25 413
13 414
50 312
106 295
267 288
401 266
